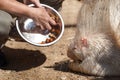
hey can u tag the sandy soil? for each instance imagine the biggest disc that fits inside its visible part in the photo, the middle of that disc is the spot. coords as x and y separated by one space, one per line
28 62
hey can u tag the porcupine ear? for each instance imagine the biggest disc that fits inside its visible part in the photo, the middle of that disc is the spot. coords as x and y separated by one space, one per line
84 42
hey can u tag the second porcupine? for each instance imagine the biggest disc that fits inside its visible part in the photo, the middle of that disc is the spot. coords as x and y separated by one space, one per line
96 46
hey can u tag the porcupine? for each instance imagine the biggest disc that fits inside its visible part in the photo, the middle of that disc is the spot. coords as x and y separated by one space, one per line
95 49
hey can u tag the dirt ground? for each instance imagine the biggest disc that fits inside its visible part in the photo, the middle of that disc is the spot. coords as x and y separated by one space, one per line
28 62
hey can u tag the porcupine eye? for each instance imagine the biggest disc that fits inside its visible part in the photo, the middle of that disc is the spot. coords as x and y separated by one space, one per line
80 45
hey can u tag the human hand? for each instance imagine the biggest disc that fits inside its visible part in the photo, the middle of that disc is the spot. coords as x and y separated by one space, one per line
40 15
41 18
35 2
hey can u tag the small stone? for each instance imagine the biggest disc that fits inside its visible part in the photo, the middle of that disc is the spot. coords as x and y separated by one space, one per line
63 78
8 72
62 53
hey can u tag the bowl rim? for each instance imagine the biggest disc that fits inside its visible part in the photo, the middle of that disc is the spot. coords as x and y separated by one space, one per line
47 44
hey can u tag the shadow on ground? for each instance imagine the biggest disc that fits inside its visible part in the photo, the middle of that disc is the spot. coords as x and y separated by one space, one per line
60 66
63 66
22 59
107 78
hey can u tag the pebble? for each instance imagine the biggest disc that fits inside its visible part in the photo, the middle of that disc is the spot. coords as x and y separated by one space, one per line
63 78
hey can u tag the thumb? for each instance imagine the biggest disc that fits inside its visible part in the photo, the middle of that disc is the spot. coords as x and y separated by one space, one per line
37 3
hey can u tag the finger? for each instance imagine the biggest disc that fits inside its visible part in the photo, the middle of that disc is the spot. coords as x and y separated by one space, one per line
47 26
26 2
41 26
37 3
52 22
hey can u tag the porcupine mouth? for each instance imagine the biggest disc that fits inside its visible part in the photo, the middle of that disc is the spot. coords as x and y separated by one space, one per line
79 61
76 61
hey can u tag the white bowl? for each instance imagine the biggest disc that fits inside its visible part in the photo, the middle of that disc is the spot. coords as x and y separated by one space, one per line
30 33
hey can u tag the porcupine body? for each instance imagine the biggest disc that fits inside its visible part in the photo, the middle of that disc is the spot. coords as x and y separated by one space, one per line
95 49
